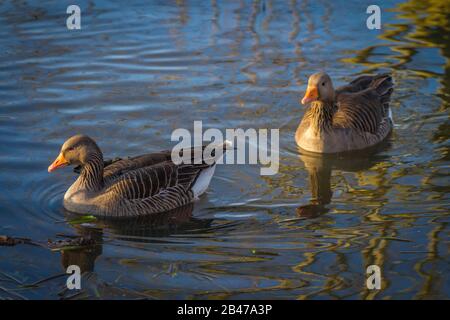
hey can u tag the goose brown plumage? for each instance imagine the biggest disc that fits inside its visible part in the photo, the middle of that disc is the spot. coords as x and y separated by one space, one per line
136 186
352 117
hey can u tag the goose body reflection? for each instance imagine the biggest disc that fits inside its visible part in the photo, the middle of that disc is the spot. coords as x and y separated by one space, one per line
145 229
141 229
321 166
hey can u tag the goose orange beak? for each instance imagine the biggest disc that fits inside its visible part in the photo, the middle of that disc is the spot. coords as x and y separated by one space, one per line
59 162
311 94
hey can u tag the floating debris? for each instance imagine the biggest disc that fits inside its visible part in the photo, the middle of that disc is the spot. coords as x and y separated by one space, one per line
83 220
74 242
11 241
71 244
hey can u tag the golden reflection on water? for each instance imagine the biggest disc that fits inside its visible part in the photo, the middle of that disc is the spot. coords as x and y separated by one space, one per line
427 25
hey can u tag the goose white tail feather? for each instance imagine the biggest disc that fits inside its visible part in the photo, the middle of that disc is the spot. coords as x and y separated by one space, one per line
202 182
391 116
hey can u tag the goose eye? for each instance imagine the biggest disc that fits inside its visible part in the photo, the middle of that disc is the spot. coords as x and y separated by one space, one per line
323 83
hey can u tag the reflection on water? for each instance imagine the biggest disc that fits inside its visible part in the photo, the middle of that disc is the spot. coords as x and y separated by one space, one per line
138 230
319 168
135 73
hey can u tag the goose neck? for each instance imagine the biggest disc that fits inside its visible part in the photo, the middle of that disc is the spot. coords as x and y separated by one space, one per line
91 176
321 114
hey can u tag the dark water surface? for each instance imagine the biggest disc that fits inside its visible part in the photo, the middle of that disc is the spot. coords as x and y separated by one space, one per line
135 73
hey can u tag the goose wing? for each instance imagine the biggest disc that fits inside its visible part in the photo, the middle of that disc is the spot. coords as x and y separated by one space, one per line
365 109
358 84
362 111
155 179
148 175
362 83
117 168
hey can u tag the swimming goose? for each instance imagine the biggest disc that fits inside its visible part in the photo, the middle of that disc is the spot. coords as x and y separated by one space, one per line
353 117
136 186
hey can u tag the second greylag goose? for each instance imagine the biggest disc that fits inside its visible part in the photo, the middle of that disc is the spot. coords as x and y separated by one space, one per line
353 117
136 186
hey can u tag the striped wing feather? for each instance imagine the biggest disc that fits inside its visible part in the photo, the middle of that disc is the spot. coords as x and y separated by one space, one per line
150 181
362 111
122 166
363 104
358 84
157 166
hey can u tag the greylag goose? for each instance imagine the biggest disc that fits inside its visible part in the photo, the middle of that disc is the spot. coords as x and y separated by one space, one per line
136 186
353 117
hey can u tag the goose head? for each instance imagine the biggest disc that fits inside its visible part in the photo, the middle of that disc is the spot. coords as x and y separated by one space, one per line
77 150
320 88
